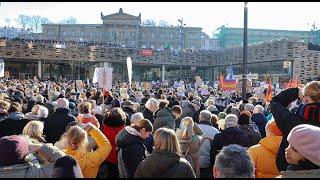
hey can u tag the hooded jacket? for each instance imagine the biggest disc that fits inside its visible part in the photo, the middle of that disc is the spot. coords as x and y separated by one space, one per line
164 164
164 118
131 151
264 157
254 136
33 168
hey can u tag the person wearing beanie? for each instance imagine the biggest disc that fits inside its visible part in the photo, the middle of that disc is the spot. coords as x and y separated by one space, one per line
232 134
304 140
264 154
18 160
287 120
248 128
222 115
213 109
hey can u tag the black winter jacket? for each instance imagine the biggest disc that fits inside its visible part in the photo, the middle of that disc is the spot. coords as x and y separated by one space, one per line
287 120
55 125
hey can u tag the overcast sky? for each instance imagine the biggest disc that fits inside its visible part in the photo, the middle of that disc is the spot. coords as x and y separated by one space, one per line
208 15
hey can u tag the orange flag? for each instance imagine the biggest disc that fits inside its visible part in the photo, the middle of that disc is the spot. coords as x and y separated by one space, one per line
221 81
289 85
295 82
269 92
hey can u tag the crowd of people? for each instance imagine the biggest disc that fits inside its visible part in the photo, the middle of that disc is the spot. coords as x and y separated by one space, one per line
54 129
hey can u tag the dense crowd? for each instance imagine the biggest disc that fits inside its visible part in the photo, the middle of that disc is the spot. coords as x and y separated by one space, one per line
56 129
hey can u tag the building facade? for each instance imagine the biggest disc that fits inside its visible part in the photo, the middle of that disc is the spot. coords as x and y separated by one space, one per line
126 30
232 37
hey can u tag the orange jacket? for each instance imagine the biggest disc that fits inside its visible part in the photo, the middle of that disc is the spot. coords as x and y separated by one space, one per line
90 162
264 156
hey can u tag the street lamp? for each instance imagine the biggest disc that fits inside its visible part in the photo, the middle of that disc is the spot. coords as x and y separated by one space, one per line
181 33
245 52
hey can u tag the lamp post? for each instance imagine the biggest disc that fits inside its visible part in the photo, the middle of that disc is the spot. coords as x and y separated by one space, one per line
181 33
245 52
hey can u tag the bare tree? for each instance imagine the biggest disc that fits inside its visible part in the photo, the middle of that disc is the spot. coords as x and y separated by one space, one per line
23 20
36 22
69 20
8 21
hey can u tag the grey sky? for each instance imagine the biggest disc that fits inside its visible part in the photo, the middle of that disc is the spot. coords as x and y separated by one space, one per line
208 15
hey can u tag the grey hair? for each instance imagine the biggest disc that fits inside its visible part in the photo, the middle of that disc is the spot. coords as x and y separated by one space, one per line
205 115
43 112
233 161
249 107
152 103
39 98
136 117
259 109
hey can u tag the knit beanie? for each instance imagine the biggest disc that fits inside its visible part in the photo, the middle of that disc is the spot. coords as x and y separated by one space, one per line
222 115
273 128
305 139
13 150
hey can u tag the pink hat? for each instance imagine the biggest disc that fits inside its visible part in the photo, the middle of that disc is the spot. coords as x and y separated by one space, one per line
305 139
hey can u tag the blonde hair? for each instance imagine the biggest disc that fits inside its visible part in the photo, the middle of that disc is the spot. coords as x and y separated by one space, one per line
35 109
166 140
77 135
33 129
186 126
312 89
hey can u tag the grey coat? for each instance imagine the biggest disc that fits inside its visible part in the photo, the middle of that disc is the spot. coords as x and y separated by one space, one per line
164 164
33 168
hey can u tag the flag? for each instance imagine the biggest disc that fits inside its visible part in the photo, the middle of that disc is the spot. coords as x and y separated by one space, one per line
221 81
230 73
129 67
269 92
295 82
289 85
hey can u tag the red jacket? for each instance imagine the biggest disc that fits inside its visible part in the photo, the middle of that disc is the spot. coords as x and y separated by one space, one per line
111 133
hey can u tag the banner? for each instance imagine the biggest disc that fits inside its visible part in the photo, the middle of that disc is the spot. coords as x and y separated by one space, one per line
129 67
146 52
103 76
1 68
79 86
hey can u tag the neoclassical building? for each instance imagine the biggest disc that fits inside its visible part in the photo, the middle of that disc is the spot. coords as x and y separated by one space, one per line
126 30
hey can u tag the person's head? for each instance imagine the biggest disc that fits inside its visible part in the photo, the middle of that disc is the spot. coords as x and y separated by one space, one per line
222 115
85 108
231 120
186 127
66 167
258 109
4 106
233 161
77 138
15 107
143 126
33 129
311 92
62 103
128 104
13 150
176 111
209 102
97 110
39 99
205 116
235 111
213 109
214 119
248 107
152 104
272 129
196 104
136 116
42 112
116 114
163 103
166 140
244 118
304 143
